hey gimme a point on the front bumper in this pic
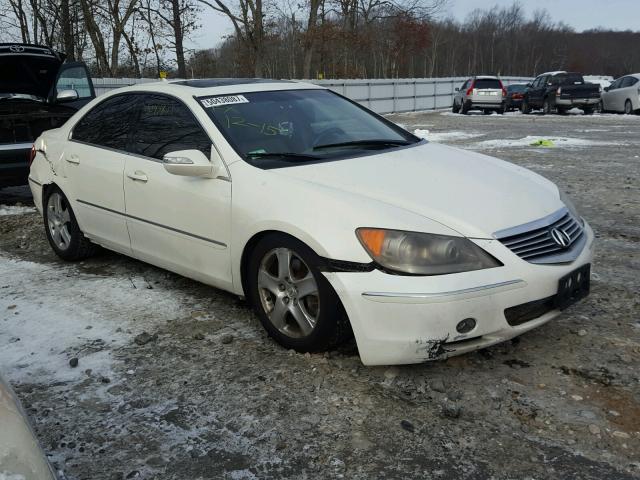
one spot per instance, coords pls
(14, 164)
(412, 319)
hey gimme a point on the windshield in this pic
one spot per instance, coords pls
(285, 127)
(516, 88)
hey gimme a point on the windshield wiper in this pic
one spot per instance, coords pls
(286, 156)
(364, 143)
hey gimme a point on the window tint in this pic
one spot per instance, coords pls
(75, 78)
(166, 125)
(568, 79)
(628, 82)
(516, 88)
(108, 124)
(492, 83)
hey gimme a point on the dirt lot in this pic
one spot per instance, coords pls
(205, 394)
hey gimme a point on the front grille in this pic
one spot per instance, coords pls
(535, 243)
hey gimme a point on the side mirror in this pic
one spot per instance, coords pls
(529, 84)
(606, 89)
(193, 163)
(457, 89)
(66, 96)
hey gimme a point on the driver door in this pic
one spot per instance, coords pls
(75, 76)
(180, 223)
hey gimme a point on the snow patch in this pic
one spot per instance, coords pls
(15, 210)
(444, 137)
(71, 314)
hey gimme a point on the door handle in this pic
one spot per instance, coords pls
(73, 159)
(138, 176)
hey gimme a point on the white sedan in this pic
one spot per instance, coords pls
(623, 95)
(328, 218)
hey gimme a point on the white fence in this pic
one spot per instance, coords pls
(381, 96)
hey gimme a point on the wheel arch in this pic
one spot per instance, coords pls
(251, 243)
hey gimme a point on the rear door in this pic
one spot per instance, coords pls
(179, 223)
(537, 90)
(94, 161)
(627, 90)
(74, 76)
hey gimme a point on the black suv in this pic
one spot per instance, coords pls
(561, 91)
(38, 91)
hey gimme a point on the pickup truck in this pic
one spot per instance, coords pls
(560, 91)
(38, 91)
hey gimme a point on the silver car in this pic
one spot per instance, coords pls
(623, 95)
(484, 93)
(20, 454)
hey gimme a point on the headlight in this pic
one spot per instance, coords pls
(570, 206)
(423, 253)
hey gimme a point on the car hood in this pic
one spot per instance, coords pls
(475, 195)
(28, 70)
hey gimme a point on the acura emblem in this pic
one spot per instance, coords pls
(561, 237)
(16, 48)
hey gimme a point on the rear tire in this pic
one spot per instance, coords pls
(546, 107)
(465, 109)
(61, 227)
(628, 107)
(562, 111)
(588, 110)
(295, 303)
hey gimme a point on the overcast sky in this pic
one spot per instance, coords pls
(580, 14)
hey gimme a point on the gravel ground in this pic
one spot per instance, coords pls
(176, 380)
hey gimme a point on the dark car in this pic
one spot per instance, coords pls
(38, 91)
(514, 97)
(561, 91)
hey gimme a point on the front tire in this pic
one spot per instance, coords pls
(546, 107)
(455, 108)
(294, 302)
(62, 229)
(628, 108)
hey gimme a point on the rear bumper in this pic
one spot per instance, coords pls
(399, 319)
(14, 164)
(484, 103)
(577, 102)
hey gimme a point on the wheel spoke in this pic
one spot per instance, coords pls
(267, 281)
(307, 286)
(58, 204)
(64, 234)
(55, 234)
(284, 263)
(304, 321)
(278, 314)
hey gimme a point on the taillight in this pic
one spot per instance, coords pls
(32, 154)
(559, 91)
(504, 90)
(470, 89)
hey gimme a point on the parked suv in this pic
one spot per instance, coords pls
(484, 93)
(561, 91)
(38, 91)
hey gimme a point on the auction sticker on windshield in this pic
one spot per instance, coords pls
(227, 100)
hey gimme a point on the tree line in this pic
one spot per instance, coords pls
(314, 39)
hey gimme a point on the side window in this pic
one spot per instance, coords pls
(108, 124)
(634, 81)
(626, 82)
(537, 82)
(166, 125)
(75, 78)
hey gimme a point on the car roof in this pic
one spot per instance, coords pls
(486, 77)
(215, 86)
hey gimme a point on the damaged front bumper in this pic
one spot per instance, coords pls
(412, 319)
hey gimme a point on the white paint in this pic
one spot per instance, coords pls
(444, 137)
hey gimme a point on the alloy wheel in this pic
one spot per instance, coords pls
(288, 293)
(58, 220)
